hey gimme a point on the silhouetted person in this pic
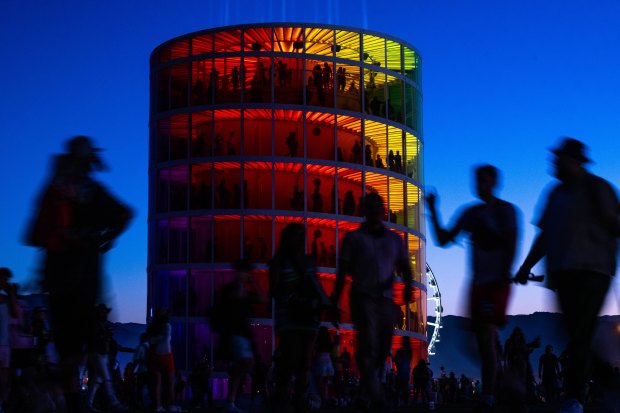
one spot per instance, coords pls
(370, 255)
(421, 381)
(549, 373)
(402, 359)
(391, 161)
(517, 367)
(317, 75)
(398, 162)
(578, 234)
(297, 199)
(348, 205)
(341, 77)
(161, 361)
(379, 162)
(492, 229)
(76, 222)
(298, 299)
(230, 149)
(317, 198)
(315, 244)
(353, 88)
(291, 142)
(213, 84)
(327, 75)
(235, 306)
(356, 152)
(368, 156)
(218, 144)
(235, 78)
(375, 106)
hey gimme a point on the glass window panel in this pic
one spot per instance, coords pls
(175, 51)
(350, 191)
(376, 137)
(288, 39)
(395, 102)
(257, 39)
(394, 61)
(374, 50)
(410, 107)
(289, 135)
(201, 239)
(229, 41)
(350, 145)
(320, 136)
(177, 240)
(288, 81)
(414, 218)
(179, 133)
(226, 141)
(319, 83)
(172, 189)
(226, 241)
(163, 245)
(396, 204)
(179, 85)
(201, 196)
(202, 44)
(374, 93)
(411, 64)
(227, 178)
(320, 41)
(348, 96)
(179, 338)
(289, 186)
(257, 127)
(257, 79)
(320, 189)
(348, 45)
(201, 92)
(257, 240)
(412, 150)
(322, 243)
(170, 291)
(258, 178)
(228, 90)
(202, 132)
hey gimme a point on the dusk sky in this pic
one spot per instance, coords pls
(502, 81)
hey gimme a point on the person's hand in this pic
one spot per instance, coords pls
(522, 275)
(431, 200)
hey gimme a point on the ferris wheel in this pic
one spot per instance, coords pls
(433, 307)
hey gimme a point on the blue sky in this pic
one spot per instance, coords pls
(501, 82)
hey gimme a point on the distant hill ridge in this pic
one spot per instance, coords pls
(456, 349)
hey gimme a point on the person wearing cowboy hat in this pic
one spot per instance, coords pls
(578, 232)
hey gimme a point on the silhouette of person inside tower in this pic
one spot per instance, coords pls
(317, 198)
(368, 156)
(235, 78)
(327, 75)
(223, 195)
(317, 75)
(391, 161)
(379, 162)
(398, 162)
(291, 142)
(356, 152)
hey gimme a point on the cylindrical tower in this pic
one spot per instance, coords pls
(256, 126)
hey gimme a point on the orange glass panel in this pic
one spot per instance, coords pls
(257, 39)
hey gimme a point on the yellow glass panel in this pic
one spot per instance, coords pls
(348, 45)
(410, 63)
(377, 183)
(320, 41)
(288, 39)
(393, 56)
(374, 50)
(376, 138)
(412, 149)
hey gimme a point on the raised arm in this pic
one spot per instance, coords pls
(443, 236)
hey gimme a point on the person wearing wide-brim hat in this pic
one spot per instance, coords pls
(578, 231)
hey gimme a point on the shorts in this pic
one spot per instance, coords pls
(161, 363)
(5, 357)
(240, 348)
(488, 302)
